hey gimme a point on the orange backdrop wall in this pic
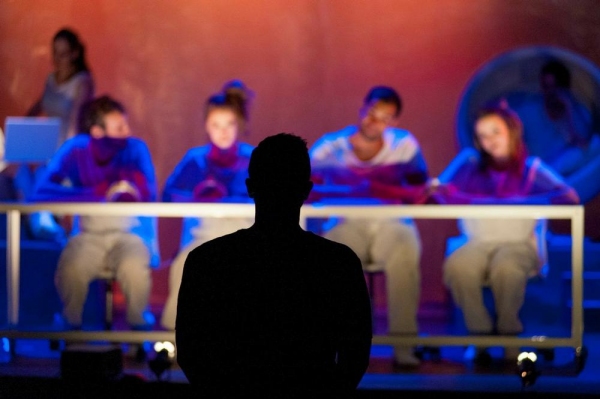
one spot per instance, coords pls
(310, 62)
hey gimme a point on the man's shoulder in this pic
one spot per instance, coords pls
(244, 237)
(326, 246)
(344, 132)
(320, 240)
(401, 143)
(338, 136)
(332, 143)
(396, 136)
(225, 242)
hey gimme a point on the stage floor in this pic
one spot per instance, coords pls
(35, 371)
(36, 366)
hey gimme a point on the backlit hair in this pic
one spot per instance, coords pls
(93, 112)
(234, 96)
(75, 45)
(384, 94)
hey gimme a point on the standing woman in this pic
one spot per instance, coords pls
(215, 172)
(68, 86)
(501, 253)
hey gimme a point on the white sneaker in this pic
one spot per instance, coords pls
(404, 356)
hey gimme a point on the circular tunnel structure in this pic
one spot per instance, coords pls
(516, 73)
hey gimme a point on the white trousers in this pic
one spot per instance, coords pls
(397, 248)
(209, 229)
(505, 267)
(90, 256)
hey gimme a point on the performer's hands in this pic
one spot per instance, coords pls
(209, 190)
(100, 190)
(123, 191)
(138, 180)
(439, 193)
(431, 193)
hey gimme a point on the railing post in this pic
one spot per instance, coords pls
(577, 275)
(13, 234)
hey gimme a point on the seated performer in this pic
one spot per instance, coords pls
(501, 253)
(102, 164)
(215, 172)
(273, 311)
(375, 162)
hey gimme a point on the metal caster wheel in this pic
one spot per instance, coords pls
(581, 354)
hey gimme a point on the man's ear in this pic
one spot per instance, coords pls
(97, 132)
(250, 188)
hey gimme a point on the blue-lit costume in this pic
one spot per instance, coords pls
(104, 246)
(205, 174)
(501, 253)
(393, 245)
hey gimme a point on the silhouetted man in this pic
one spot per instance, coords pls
(274, 310)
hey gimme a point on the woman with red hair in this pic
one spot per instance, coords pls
(501, 253)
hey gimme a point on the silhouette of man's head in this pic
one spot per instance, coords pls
(279, 171)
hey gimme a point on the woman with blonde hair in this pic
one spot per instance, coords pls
(215, 172)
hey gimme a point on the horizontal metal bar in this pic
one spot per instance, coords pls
(159, 336)
(85, 336)
(445, 211)
(356, 211)
(482, 341)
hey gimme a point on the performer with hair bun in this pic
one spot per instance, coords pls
(215, 172)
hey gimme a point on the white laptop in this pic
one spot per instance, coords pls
(30, 139)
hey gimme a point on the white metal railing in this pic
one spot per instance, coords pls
(573, 213)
